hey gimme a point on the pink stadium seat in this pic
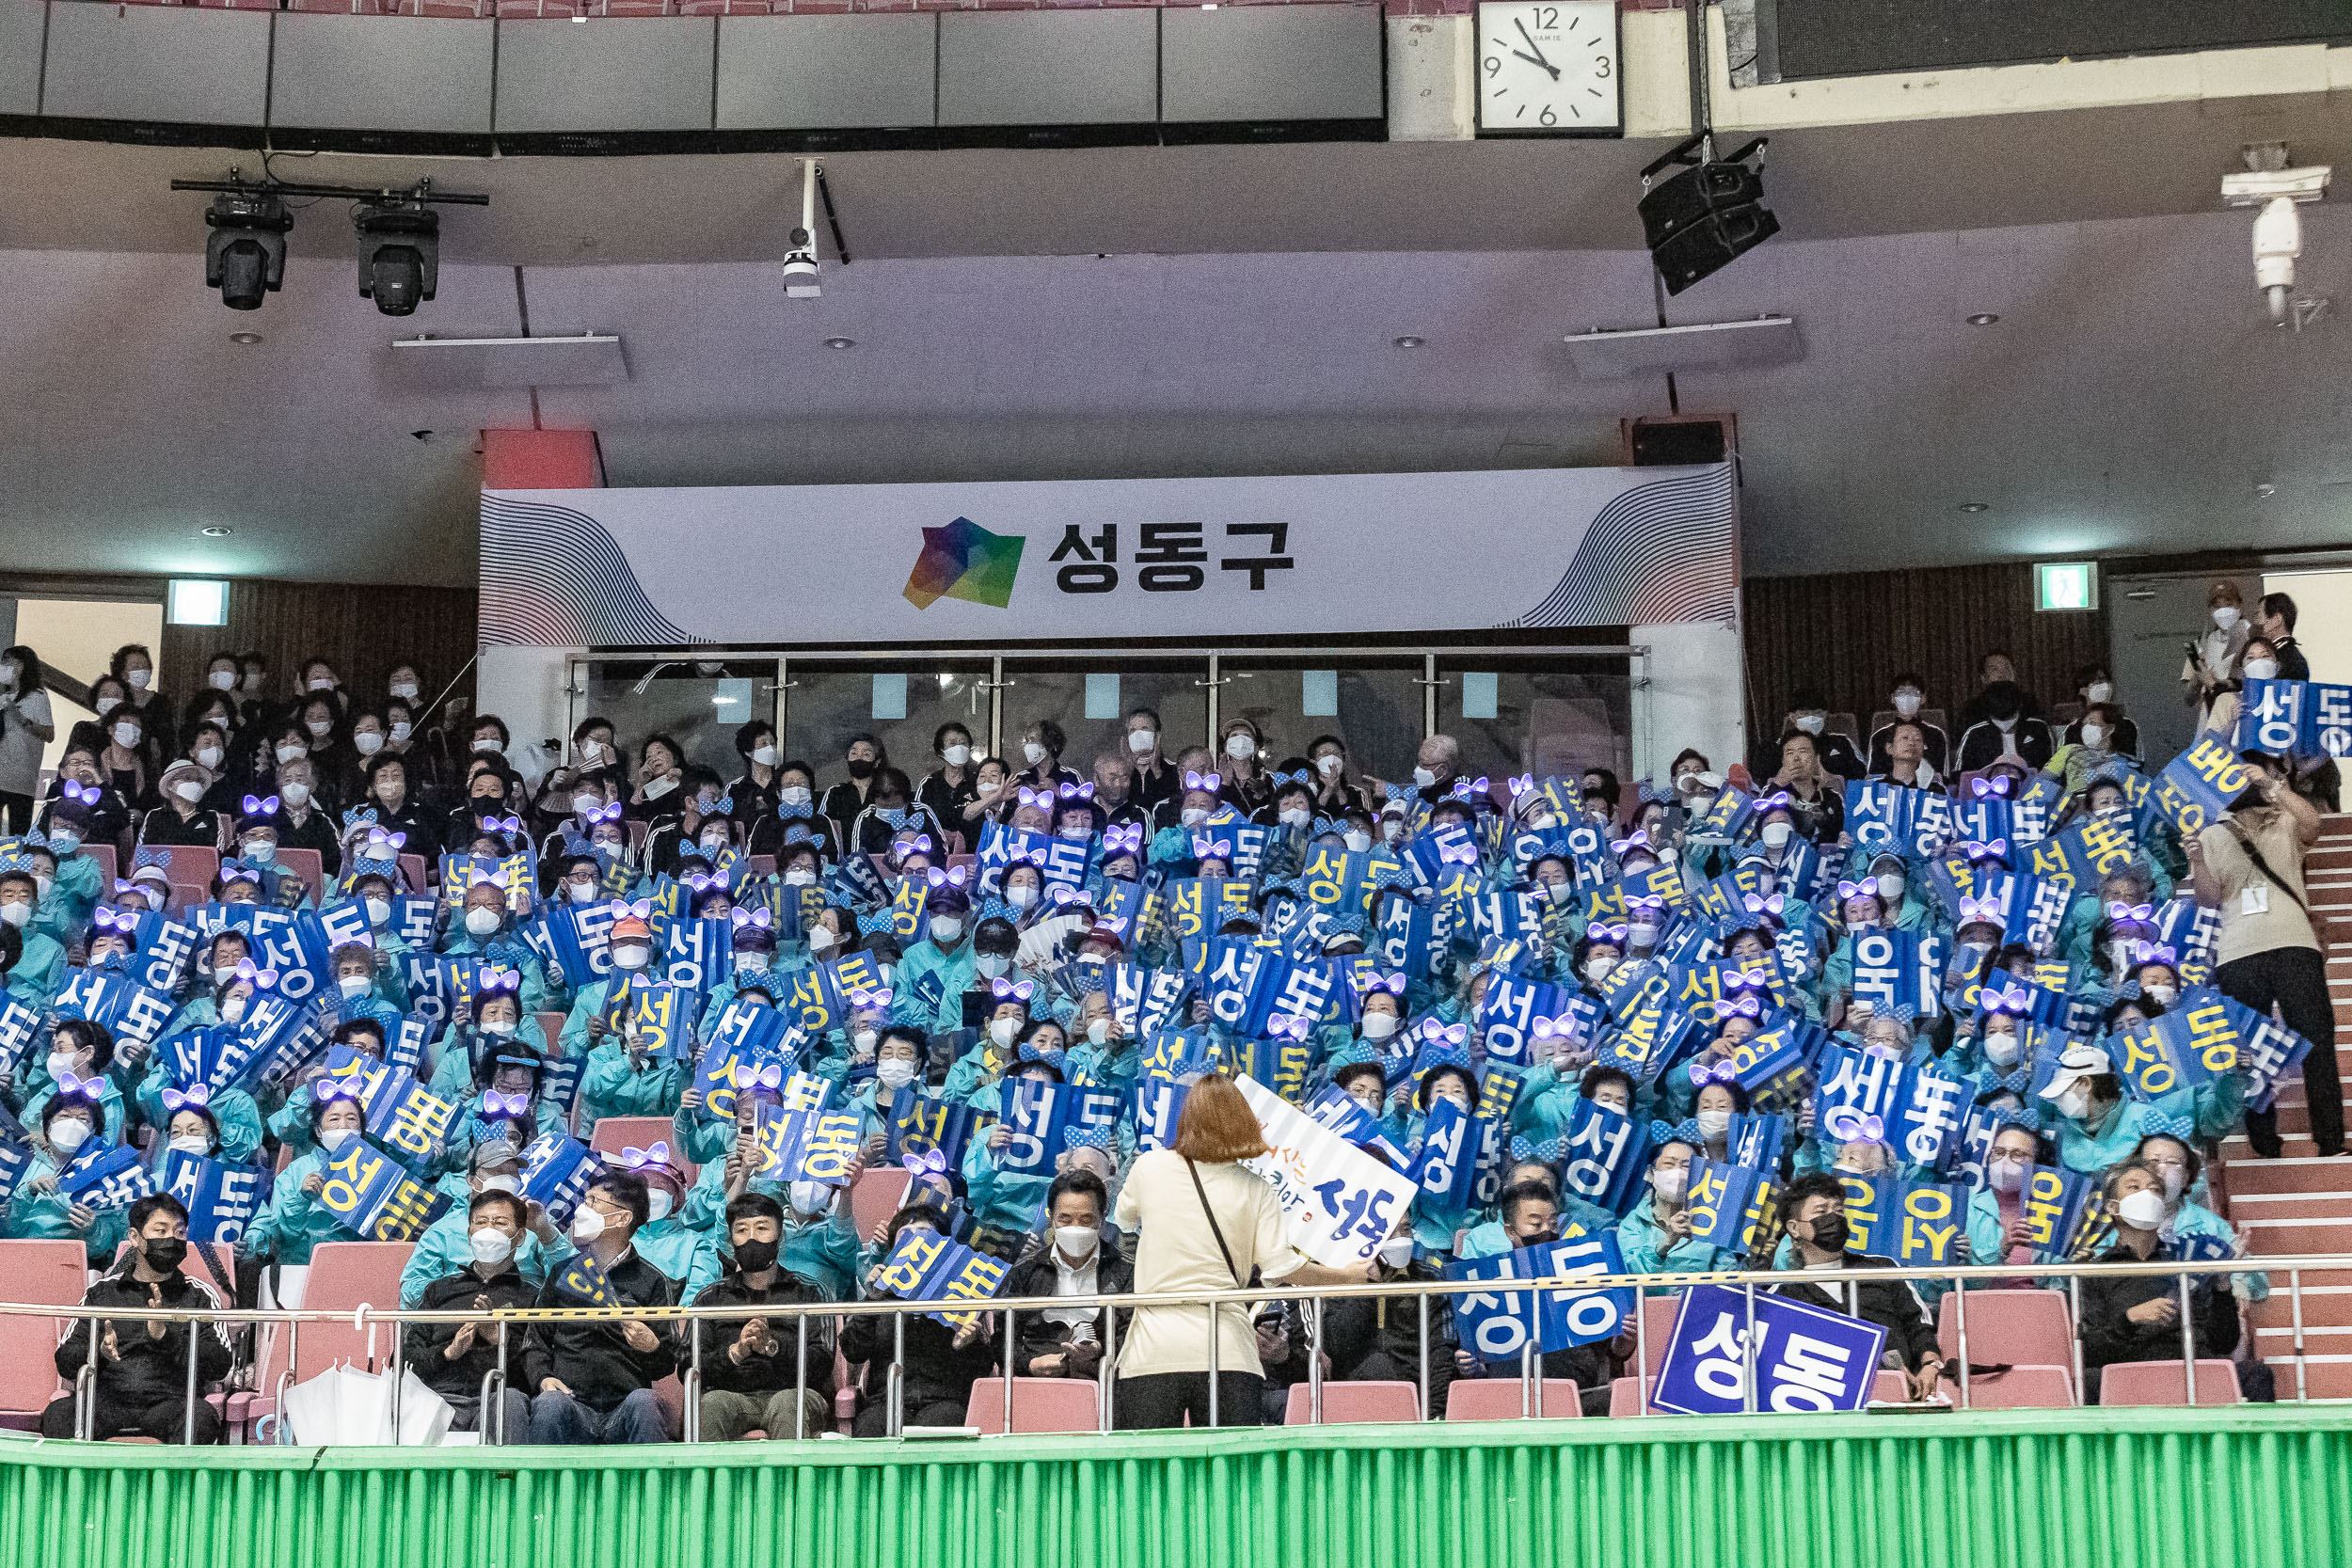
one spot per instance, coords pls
(877, 1196)
(39, 1273)
(1657, 1326)
(104, 855)
(1625, 1397)
(614, 1134)
(1039, 1405)
(343, 1276)
(2024, 1388)
(2008, 1328)
(761, 865)
(1505, 1399)
(185, 896)
(304, 865)
(552, 1025)
(2165, 1383)
(1890, 1387)
(415, 872)
(191, 866)
(1346, 1403)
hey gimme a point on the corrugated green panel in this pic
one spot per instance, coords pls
(2265, 1487)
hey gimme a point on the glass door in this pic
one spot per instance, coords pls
(1091, 698)
(698, 703)
(1372, 702)
(1557, 711)
(901, 703)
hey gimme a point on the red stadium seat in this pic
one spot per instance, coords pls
(415, 870)
(614, 1134)
(1625, 1397)
(1890, 1387)
(1346, 1403)
(186, 864)
(2024, 1388)
(104, 855)
(761, 865)
(2165, 1383)
(1657, 1326)
(305, 863)
(1039, 1405)
(552, 1025)
(39, 1273)
(877, 1194)
(1507, 1399)
(343, 1276)
(2009, 1327)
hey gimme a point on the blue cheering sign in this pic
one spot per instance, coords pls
(928, 1267)
(1498, 1324)
(1808, 1360)
(1043, 1117)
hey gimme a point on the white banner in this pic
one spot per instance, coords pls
(1341, 1203)
(910, 564)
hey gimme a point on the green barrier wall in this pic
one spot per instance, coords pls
(2088, 1489)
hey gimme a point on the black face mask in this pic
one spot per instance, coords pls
(861, 767)
(1829, 1232)
(2003, 700)
(753, 1256)
(165, 1253)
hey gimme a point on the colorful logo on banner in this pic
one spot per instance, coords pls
(963, 561)
(1808, 1360)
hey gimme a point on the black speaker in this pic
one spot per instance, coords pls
(1697, 222)
(1694, 194)
(1672, 442)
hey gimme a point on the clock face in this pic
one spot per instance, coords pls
(1548, 67)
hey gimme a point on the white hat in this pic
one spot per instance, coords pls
(2080, 1062)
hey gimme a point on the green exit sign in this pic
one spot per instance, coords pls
(2066, 585)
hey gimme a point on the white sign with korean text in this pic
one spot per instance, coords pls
(1341, 1203)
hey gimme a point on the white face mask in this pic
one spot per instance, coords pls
(1035, 753)
(765, 756)
(713, 844)
(190, 790)
(1396, 1252)
(366, 743)
(2142, 1210)
(2100, 692)
(2001, 1050)
(820, 939)
(1356, 840)
(864, 1041)
(1669, 1181)
(1890, 885)
(335, 1140)
(502, 1184)
(586, 802)
(1295, 817)
(1906, 702)
(138, 680)
(1002, 1030)
(60, 1063)
(794, 795)
(69, 1134)
(991, 965)
(322, 683)
(2162, 995)
(2094, 736)
(1021, 897)
(379, 912)
(405, 691)
(1599, 967)
(2262, 669)
(1076, 1241)
(295, 794)
(354, 986)
(1141, 741)
(262, 851)
(800, 876)
(18, 915)
(2074, 1102)
(481, 923)
(2005, 1175)
(491, 1246)
(62, 843)
(655, 789)
(751, 963)
(401, 730)
(318, 727)
(1240, 747)
(956, 756)
(489, 747)
(290, 750)
(223, 680)
(105, 706)
(945, 928)
(1329, 766)
(587, 1224)
(127, 735)
(631, 955)
(657, 1204)
(1192, 816)
(2225, 616)
(1379, 1026)
(2175, 1183)
(207, 756)
(1423, 778)
(896, 1073)
(1775, 834)
(193, 1143)
(1810, 722)
(1714, 1124)
(811, 1197)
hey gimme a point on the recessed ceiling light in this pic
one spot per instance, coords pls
(1408, 341)
(2264, 492)
(841, 342)
(216, 531)
(1983, 318)
(246, 337)
(1974, 507)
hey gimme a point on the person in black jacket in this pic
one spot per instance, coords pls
(1530, 1211)
(453, 1358)
(143, 1366)
(1073, 1258)
(593, 1382)
(1813, 1211)
(941, 1364)
(2137, 1317)
(750, 1367)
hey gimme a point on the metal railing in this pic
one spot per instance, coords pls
(1212, 1304)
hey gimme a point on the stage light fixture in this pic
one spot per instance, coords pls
(399, 254)
(245, 255)
(1706, 216)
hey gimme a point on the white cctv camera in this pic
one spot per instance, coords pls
(2278, 229)
(800, 267)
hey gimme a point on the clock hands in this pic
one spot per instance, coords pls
(1538, 57)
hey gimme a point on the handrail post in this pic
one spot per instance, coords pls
(799, 1376)
(1960, 1316)
(1747, 1353)
(1423, 1305)
(187, 1417)
(500, 1372)
(1313, 1312)
(1213, 1327)
(399, 1366)
(897, 1382)
(2295, 1304)
(285, 1378)
(1007, 1359)
(1106, 1371)
(1527, 1377)
(85, 1387)
(2188, 1343)
(2074, 1311)
(1641, 1347)
(690, 1419)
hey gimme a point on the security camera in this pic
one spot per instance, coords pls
(800, 267)
(2275, 193)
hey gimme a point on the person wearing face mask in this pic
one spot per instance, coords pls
(181, 818)
(1071, 1258)
(2223, 698)
(2215, 658)
(1906, 704)
(899, 1052)
(135, 667)
(687, 1253)
(2137, 1317)
(994, 1195)
(937, 1365)
(453, 1358)
(819, 1243)
(294, 1221)
(752, 1366)
(1808, 715)
(37, 1209)
(2273, 621)
(27, 726)
(1813, 1216)
(2096, 688)
(142, 1366)
(1240, 764)
(754, 791)
(484, 929)
(944, 959)
(862, 758)
(624, 1077)
(593, 1382)
(1042, 744)
(946, 789)
(162, 1098)
(1155, 778)
(1444, 1073)
(796, 828)
(2180, 1173)
(302, 822)
(2095, 1125)
(80, 1050)
(1655, 1235)
(492, 1166)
